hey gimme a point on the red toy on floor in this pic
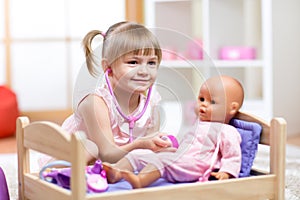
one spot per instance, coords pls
(8, 112)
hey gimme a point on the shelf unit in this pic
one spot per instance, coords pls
(217, 23)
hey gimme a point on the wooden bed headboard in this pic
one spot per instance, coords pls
(49, 138)
(265, 135)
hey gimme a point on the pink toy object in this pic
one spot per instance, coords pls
(95, 176)
(169, 53)
(237, 53)
(194, 50)
(172, 139)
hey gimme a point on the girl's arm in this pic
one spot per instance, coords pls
(158, 137)
(95, 114)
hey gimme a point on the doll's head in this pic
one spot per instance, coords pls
(219, 99)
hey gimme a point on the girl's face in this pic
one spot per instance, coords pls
(212, 104)
(135, 72)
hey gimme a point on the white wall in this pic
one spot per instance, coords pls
(286, 61)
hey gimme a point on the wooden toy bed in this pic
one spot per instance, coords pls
(49, 138)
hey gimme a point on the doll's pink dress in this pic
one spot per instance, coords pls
(119, 125)
(194, 157)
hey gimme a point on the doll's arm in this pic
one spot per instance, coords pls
(221, 175)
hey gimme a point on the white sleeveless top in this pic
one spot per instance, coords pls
(119, 125)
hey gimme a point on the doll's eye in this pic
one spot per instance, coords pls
(213, 102)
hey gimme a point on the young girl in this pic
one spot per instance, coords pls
(210, 151)
(121, 115)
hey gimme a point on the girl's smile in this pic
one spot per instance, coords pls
(135, 72)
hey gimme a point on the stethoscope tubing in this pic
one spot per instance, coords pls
(131, 119)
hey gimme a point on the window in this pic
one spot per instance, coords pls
(44, 50)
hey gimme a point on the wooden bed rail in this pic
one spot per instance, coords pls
(278, 154)
(50, 138)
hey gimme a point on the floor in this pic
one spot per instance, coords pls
(9, 145)
(295, 140)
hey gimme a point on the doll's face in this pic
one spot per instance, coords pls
(211, 104)
(217, 100)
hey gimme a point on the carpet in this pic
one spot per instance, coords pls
(8, 162)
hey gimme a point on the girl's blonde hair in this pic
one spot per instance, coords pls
(120, 39)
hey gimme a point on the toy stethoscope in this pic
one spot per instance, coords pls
(95, 175)
(131, 119)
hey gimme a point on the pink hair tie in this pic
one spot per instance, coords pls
(103, 34)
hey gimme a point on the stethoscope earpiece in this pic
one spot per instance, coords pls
(108, 70)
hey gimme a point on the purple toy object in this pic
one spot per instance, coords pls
(95, 176)
(3, 186)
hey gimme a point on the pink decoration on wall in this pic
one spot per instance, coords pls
(237, 53)
(169, 53)
(194, 50)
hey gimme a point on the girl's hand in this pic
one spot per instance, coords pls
(156, 143)
(162, 140)
(169, 147)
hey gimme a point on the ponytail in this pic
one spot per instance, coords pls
(88, 51)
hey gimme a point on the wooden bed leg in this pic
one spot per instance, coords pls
(23, 155)
(78, 180)
(278, 155)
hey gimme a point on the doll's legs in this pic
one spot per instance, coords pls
(113, 172)
(146, 176)
(137, 160)
(123, 169)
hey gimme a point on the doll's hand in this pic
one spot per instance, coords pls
(220, 175)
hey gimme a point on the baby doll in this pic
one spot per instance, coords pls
(210, 151)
